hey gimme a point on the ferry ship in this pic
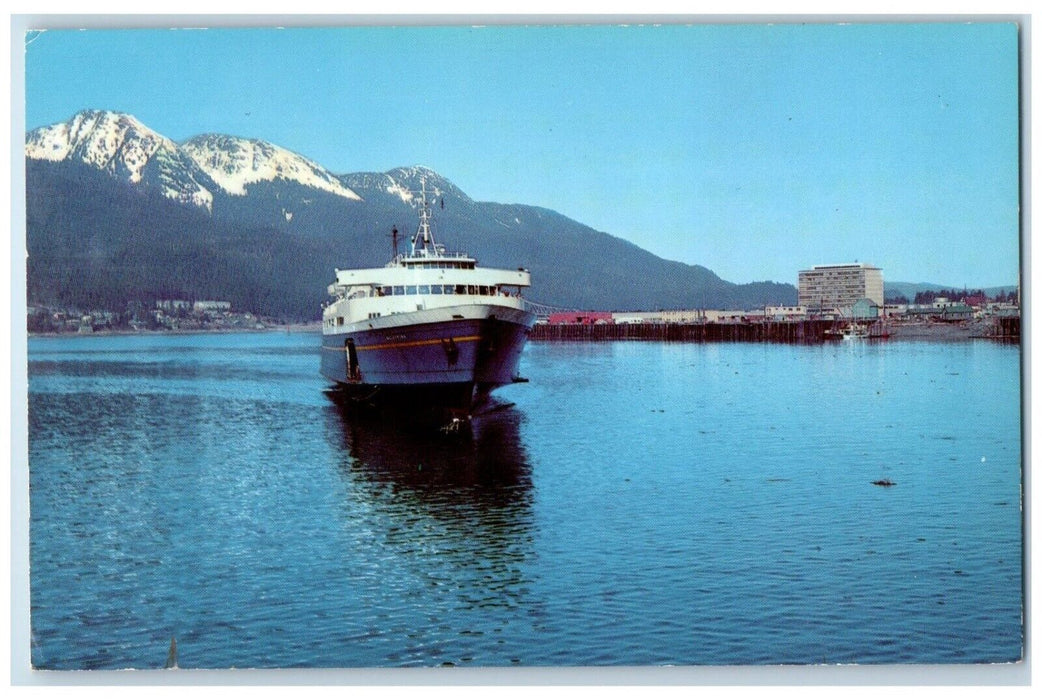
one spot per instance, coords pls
(429, 329)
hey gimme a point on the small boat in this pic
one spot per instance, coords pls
(429, 329)
(851, 331)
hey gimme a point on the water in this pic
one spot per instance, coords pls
(641, 503)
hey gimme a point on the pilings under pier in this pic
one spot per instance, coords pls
(768, 331)
(1009, 327)
(806, 331)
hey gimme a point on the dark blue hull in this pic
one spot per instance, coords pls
(451, 364)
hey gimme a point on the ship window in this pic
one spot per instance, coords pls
(484, 290)
(339, 320)
(425, 289)
(385, 291)
(461, 289)
(449, 289)
(472, 289)
(399, 289)
(411, 289)
(435, 289)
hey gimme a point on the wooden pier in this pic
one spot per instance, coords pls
(1009, 327)
(766, 331)
(807, 331)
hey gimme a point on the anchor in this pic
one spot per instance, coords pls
(451, 351)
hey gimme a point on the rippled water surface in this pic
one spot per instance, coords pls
(640, 503)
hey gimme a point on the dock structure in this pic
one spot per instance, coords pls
(1009, 327)
(808, 331)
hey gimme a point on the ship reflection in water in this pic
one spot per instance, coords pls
(480, 458)
(448, 519)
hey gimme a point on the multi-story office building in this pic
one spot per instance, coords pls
(840, 286)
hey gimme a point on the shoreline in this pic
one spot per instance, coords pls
(313, 326)
(910, 331)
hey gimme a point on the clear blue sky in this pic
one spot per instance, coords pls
(752, 149)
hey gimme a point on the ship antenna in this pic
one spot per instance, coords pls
(424, 239)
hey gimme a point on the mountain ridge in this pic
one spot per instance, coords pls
(224, 159)
(910, 289)
(268, 226)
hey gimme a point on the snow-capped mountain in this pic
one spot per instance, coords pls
(234, 163)
(192, 172)
(123, 147)
(401, 187)
(404, 183)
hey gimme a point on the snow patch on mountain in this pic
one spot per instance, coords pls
(176, 182)
(405, 182)
(49, 143)
(399, 190)
(235, 163)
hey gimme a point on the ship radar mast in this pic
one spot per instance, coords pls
(423, 242)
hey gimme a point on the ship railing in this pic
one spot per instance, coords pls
(543, 309)
(424, 254)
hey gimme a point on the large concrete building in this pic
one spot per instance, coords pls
(212, 306)
(840, 286)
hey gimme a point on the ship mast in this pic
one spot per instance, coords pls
(423, 242)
